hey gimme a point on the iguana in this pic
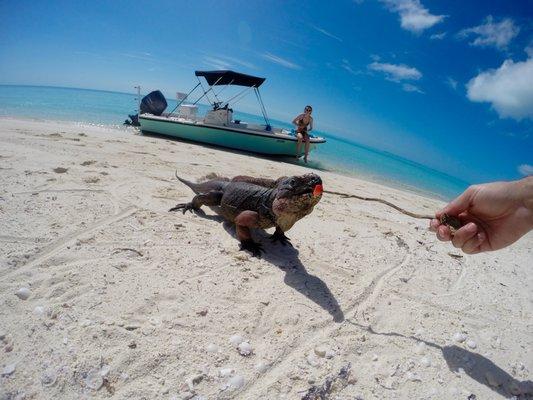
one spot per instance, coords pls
(250, 202)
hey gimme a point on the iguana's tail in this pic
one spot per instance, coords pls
(203, 187)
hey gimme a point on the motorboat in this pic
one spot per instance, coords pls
(217, 126)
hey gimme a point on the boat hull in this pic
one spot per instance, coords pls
(262, 143)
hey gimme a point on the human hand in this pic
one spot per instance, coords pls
(493, 216)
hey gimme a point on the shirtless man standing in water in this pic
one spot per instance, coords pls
(304, 125)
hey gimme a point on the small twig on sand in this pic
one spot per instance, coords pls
(411, 214)
(127, 249)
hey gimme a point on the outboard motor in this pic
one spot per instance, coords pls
(153, 103)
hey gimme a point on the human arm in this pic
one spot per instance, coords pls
(493, 216)
(295, 120)
(310, 125)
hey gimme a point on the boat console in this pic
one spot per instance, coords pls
(221, 116)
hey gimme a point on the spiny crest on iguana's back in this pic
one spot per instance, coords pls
(212, 176)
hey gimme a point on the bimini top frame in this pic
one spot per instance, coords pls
(227, 78)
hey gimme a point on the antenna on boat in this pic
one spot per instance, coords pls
(138, 87)
(183, 99)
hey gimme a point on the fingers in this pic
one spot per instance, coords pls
(470, 238)
(444, 234)
(474, 244)
(464, 234)
(459, 204)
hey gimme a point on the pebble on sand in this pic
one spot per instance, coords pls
(491, 379)
(321, 351)
(23, 293)
(425, 362)
(459, 337)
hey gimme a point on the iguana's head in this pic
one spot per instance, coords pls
(297, 195)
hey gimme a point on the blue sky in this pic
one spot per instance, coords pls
(447, 84)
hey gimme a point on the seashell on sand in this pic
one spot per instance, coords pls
(23, 293)
(459, 337)
(104, 370)
(212, 348)
(312, 360)
(420, 347)
(9, 369)
(94, 379)
(261, 367)
(39, 310)
(236, 340)
(245, 349)
(225, 372)
(236, 382)
(48, 378)
(471, 344)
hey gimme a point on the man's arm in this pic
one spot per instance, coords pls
(310, 125)
(294, 121)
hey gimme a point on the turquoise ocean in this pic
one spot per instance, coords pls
(340, 155)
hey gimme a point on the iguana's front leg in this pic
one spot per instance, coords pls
(211, 198)
(243, 222)
(279, 236)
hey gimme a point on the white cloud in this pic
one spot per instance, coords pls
(325, 32)
(413, 16)
(438, 36)
(348, 67)
(509, 89)
(411, 88)
(451, 82)
(490, 33)
(396, 72)
(226, 62)
(280, 61)
(216, 62)
(525, 169)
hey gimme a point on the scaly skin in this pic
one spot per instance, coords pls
(250, 202)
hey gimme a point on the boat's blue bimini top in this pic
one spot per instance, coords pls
(227, 77)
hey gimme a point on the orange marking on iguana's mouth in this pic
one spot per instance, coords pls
(317, 191)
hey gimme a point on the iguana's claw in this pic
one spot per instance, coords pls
(183, 207)
(279, 236)
(252, 247)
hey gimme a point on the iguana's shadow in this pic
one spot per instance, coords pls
(476, 366)
(286, 258)
(296, 276)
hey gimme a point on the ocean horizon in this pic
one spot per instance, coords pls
(340, 154)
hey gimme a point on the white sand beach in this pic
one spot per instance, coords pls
(126, 300)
